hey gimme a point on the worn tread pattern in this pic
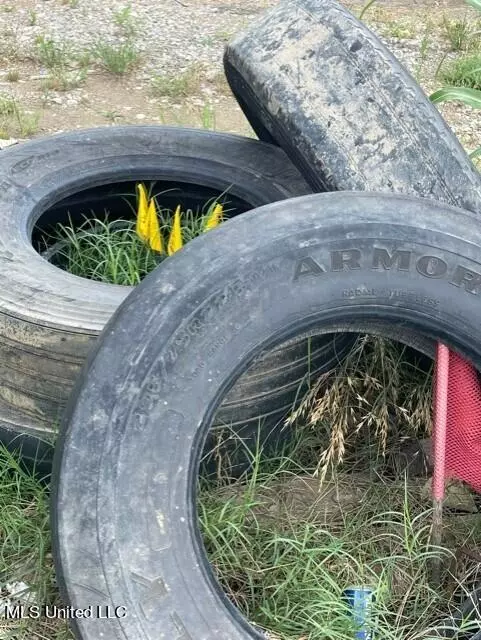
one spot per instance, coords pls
(347, 113)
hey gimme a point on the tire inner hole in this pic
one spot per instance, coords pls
(116, 203)
(283, 546)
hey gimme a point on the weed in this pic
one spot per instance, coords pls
(111, 251)
(470, 97)
(8, 106)
(51, 54)
(10, 47)
(381, 392)
(377, 14)
(116, 58)
(71, 3)
(463, 72)
(458, 33)
(208, 117)
(32, 17)
(126, 22)
(366, 8)
(14, 121)
(424, 48)
(176, 85)
(65, 81)
(400, 30)
(283, 550)
(219, 82)
(84, 59)
(207, 41)
(112, 116)
(223, 36)
(121, 57)
(468, 72)
(25, 553)
(13, 75)
(27, 123)
(104, 250)
(60, 61)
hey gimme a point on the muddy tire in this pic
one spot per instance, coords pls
(325, 262)
(311, 77)
(49, 319)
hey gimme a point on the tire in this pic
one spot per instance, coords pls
(49, 319)
(313, 78)
(322, 263)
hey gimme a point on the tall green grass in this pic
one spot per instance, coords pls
(284, 554)
(110, 250)
(26, 566)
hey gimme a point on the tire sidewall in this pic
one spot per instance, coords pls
(142, 409)
(38, 174)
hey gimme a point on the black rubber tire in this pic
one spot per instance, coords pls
(124, 489)
(48, 318)
(312, 77)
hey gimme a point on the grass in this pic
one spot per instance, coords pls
(124, 19)
(463, 72)
(51, 54)
(208, 118)
(458, 33)
(286, 572)
(387, 395)
(463, 80)
(14, 120)
(463, 34)
(32, 17)
(66, 70)
(112, 116)
(121, 57)
(25, 553)
(401, 30)
(8, 106)
(118, 59)
(65, 81)
(176, 85)
(187, 83)
(104, 251)
(424, 48)
(13, 75)
(284, 552)
(111, 251)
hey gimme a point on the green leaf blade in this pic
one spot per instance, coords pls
(476, 4)
(471, 97)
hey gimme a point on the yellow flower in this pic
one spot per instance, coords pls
(142, 226)
(175, 240)
(154, 236)
(215, 217)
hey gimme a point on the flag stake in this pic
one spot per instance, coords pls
(439, 440)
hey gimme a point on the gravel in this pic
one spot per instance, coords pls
(173, 36)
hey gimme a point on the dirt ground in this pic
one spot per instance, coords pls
(176, 38)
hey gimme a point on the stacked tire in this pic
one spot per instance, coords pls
(49, 319)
